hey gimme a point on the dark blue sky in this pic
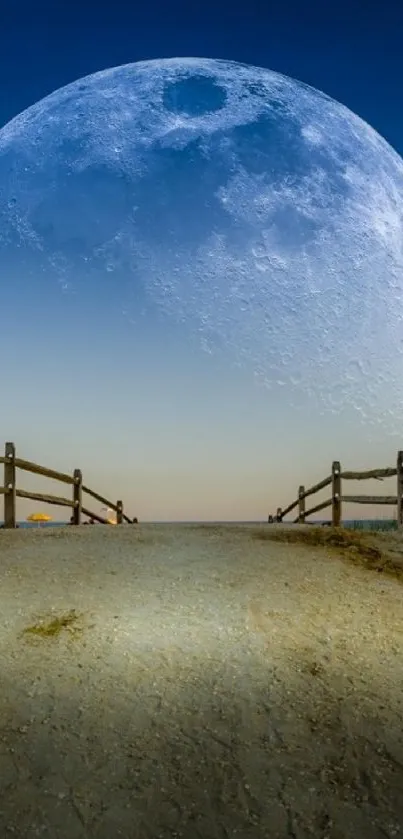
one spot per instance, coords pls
(351, 50)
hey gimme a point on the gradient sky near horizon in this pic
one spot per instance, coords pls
(178, 433)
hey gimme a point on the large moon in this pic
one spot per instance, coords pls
(247, 205)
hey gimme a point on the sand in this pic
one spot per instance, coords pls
(205, 684)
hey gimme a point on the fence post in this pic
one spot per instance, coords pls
(399, 489)
(119, 512)
(9, 486)
(77, 496)
(336, 494)
(301, 505)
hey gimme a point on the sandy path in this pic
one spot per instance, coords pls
(216, 686)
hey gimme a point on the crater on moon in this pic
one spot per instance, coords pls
(194, 97)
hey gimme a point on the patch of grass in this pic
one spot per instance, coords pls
(376, 525)
(50, 628)
(366, 548)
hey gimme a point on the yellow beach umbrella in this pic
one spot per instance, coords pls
(39, 518)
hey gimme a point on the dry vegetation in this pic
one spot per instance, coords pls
(50, 627)
(382, 552)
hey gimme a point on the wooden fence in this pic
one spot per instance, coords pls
(11, 492)
(336, 499)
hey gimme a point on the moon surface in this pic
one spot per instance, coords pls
(244, 204)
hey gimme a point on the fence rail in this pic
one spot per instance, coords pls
(337, 498)
(11, 492)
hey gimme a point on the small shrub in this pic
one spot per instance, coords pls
(52, 627)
